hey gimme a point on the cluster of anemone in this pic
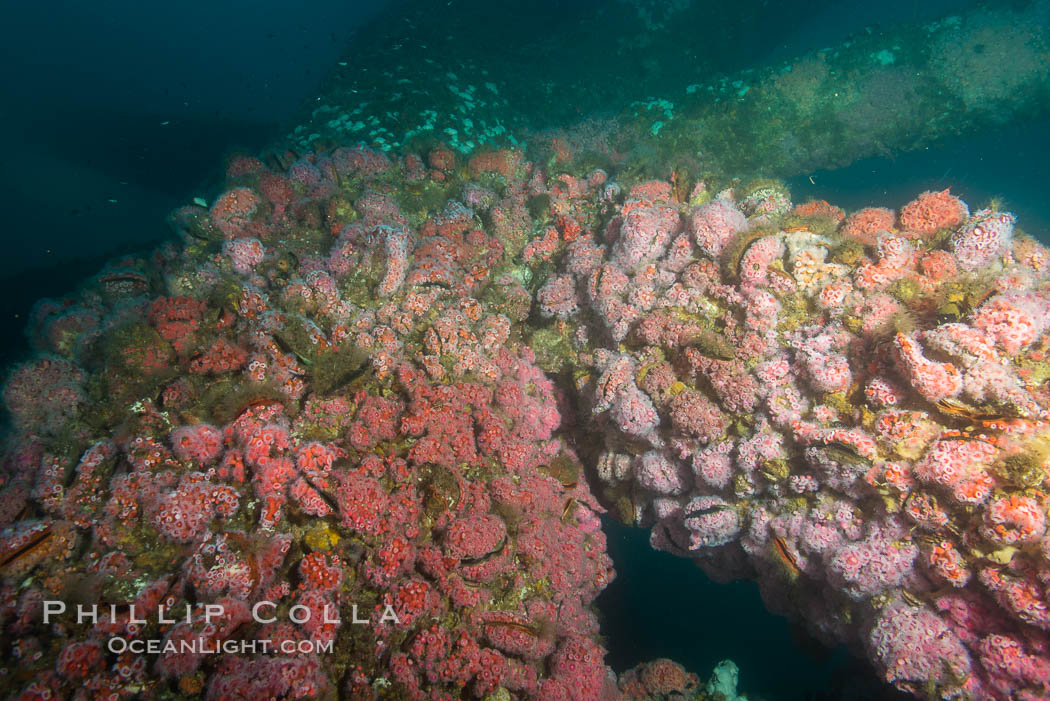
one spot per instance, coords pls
(405, 390)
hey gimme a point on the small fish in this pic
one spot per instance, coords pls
(570, 506)
(31, 544)
(333, 504)
(782, 274)
(470, 562)
(714, 509)
(785, 555)
(954, 408)
(991, 421)
(910, 598)
(261, 402)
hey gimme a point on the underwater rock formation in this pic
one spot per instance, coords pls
(854, 412)
(401, 390)
(313, 422)
(882, 91)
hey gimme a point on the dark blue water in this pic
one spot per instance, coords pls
(113, 113)
(1007, 165)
